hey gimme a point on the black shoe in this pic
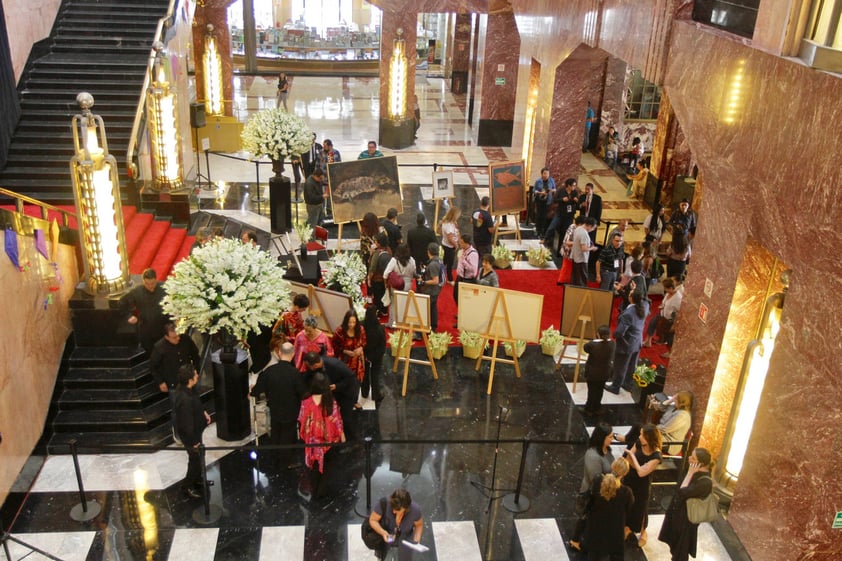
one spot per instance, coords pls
(612, 389)
(192, 493)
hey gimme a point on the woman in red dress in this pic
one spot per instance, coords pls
(349, 342)
(320, 423)
(311, 338)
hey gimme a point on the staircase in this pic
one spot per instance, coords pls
(98, 46)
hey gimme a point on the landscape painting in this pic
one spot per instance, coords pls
(361, 186)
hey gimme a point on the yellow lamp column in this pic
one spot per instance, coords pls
(162, 116)
(212, 64)
(96, 189)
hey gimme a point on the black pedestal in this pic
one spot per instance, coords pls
(280, 204)
(231, 397)
(309, 275)
(98, 321)
(397, 134)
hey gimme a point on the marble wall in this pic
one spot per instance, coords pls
(27, 22)
(31, 349)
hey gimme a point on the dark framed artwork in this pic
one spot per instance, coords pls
(361, 186)
(443, 185)
(506, 187)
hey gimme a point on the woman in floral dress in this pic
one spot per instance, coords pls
(311, 338)
(320, 423)
(349, 342)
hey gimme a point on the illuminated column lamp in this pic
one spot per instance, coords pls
(212, 64)
(732, 105)
(162, 117)
(398, 79)
(750, 387)
(96, 189)
(529, 129)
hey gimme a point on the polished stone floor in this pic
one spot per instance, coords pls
(266, 513)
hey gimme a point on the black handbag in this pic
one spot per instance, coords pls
(372, 539)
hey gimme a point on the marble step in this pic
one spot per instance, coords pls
(112, 420)
(107, 356)
(118, 379)
(160, 435)
(94, 398)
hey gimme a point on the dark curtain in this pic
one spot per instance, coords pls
(8, 92)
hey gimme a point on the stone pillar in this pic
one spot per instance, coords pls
(496, 79)
(612, 111)
(398, 135)
(218, 17)
(671, 154)
(461, 61)
(249, 36)
(578, 79)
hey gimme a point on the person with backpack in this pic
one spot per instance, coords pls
(677, 531)
(431, 281)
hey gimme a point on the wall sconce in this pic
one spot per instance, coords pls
(96, 189)
(212, 65)
(398, 79)
(734, 100)
(162, 117)
(750, 386)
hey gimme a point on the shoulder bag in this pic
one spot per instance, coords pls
(703, 510)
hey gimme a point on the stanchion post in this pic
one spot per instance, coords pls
(207, 166)
(207, 513)
(4, 538)
(515, 502)
(368, 444)
(83, 511)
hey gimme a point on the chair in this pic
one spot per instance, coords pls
(321, 236)
(676, 463)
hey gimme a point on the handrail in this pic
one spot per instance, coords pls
(140, 112)
(20, 200)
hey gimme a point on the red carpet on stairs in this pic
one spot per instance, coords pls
(146, 250)
(135, 230)
(167, 251)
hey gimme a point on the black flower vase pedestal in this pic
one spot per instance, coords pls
(230, 381)
(303, 251)
(280, 200)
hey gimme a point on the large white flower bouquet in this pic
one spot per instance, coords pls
(229, 285)
(276, 134)
(346, 271)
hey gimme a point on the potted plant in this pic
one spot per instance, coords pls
(502, 256)
(519, 348)
(439, 343)
(551, 341)
(538, 256)
(226, 287)
(472, 344)
(276, 134)
(399, 345)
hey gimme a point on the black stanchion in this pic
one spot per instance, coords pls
(515, 502)
(207, 513)
(367, 441)
(207, 168)
(5, 539)
(83, 511)
(259, 199)
(492, 492)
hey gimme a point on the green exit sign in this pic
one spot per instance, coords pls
(837, 522)
(499, 81)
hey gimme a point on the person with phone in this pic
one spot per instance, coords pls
(400, 521)
(677, 531)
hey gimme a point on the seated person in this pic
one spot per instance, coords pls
(674, 425)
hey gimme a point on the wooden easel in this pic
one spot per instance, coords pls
(412, 322)
(509, 230)
(582, 319)
(499, 329)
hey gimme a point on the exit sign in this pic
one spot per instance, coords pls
(499, 81)
(837, 522)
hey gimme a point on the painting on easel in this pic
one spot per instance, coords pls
(590, 302)
(442, 185)
(505, 182)
(360, 186)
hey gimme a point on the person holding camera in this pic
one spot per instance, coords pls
(400, 521)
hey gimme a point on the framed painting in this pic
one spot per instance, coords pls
(443, 185)
(506, 187)
(361, 186)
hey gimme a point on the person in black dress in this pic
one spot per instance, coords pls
(191, 420)
(611, 505)
(598, 368)
(677, 531)
(643, 457)
(375, 348)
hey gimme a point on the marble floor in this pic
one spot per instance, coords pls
(438, 441)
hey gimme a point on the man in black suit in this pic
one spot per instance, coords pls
(312, 158)
(419, 239)
(284, 388)
(598, 368)
(590, 205)
(343, 384)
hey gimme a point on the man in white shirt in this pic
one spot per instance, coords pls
(582, 247)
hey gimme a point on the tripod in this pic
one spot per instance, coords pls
(199, 177)
(492, 491)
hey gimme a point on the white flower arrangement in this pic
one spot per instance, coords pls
(226, 284)
(304, 231)
(346, 270)
(276, 134)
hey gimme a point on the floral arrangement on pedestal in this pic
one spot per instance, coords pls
(538, 256)
(276, 134)
(304, 232)
(551, 341)
(439, 343)
(345, 272)
(226, 285)
(503, 256)
(644, 374)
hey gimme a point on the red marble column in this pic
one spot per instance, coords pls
(461, 61)
(671, 154)
(216, 14)
(496, 80)
(612, 111)
(578, 80)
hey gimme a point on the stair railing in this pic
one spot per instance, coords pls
(140, 114)
(21, 200)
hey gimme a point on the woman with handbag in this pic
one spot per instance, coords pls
(677, 531)
(400, 521)
(319, 422)
(598, 460)
(611, 505)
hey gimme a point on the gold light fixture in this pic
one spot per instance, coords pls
(734, 99)
(162, 115)
(750, 386)
(96, 189)
(212, 65)
(397, 79)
